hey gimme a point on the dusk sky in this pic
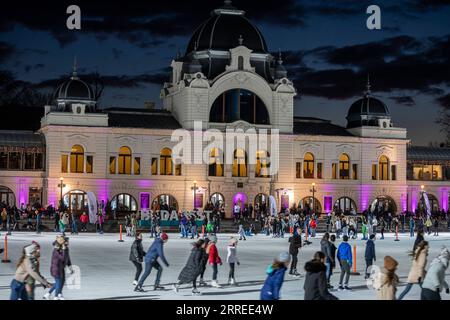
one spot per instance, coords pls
(326, 46)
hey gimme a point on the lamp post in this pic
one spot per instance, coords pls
(61, 185)
(195, 191)
(313, 190)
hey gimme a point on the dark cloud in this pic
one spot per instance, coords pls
(444, 101)
(117, 53)
(30, 67)
(6, 51)
(404, 100)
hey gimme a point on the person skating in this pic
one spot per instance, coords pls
(295, 243)
(232, 260)
(436, 226)
(369, 254)
(213, 259)
(417, 272)
(315, 285)
(275, 277)
(333, 250)
(428, 224)
(364, 229)
(325, 247)
(151, 261)
(193, 268)
(386, 281)
(241, 232)
(418, 240)
(57, 268)
(344, 256)
(411, 226)
(27, 269)
(84, 219)
(204, 262)
(137, 255)
(382, 224)
(434, 282)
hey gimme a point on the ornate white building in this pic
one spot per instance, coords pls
(226, 79)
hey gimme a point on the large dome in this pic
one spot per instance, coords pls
(223, 30)
(74, 89)
(366, 111)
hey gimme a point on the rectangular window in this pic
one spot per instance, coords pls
(112, 165)
(154, 166)
(178, 169)
(89, 164)
(394, 172)
(64, 163)
(334, 171)
(319, 170)
(38, 161)
(137, 165)
(298, 170)
(3, 160)
(124, 164)
(355, 171)
(374, 172)
(15, 160)
(29, 161)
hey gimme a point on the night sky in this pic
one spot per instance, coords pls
(327, 50)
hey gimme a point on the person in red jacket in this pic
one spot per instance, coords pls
(84, 221)
(213, 259)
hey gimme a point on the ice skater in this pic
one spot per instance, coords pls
(192, 269)
(232, 260)
(241, 231)
(295, 243)
(214, 260)
(417, 272)
(369, 254)
(137, 255)
(434, 282)
(344, 256)
(315, 285)
(275, 277)
(154, 252)
(386, 281)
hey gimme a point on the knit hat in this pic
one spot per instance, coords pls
(390, 263)
(164, 236)
(444, 256)
(29, 250)
(213, 239)
(284, 257)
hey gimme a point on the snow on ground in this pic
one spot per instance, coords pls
(106, 272)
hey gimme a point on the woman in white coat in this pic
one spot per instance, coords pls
(232, 260)
(434, 281)
(417, 272)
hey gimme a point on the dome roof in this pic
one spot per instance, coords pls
(74, 89)
(223, 29)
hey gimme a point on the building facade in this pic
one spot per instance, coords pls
(227, 79)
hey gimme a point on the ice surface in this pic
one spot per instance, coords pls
(106, 272)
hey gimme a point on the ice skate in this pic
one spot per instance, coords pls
(233, 282)
(175, 287)
(134, 283)
(202, 283)
(47, 296)
(215, 284)
(196, 292)
(59, 297)
(158, 287)
(139, 289)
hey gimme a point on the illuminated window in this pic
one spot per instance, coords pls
(334, 171)
(64, 163)
(262, 168)
(298, 170)
(319, 170)
(344, 166)
(178, 169)
(239, 163)
(374, 172)
(354, 171)
(308, 166)
(89, 164)
(112, 165)
(124, 160)
(154, 167)
(137, 166)
(77, 159)
(215, 167)
(165, 162)
(383, 164)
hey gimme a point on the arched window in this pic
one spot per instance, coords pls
(344, 166)
(307, 204)
(345, 205)
(76, 201)
(215, 168)
(383, 166)
(262, 167)
(123, 204)
(217, 200)
(7, 196)
(124, 160)
(433, 202)
(165, 162)
(308, 166)
(239, 104)
(77, 159)
(239, 163)
(383, 205)
(165, 202)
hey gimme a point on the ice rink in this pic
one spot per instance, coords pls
(106, 272)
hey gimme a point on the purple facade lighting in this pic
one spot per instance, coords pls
(240, 198)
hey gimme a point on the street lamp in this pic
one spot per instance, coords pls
(422, 187)
(61, 185)
(313, 190)
(195, 190)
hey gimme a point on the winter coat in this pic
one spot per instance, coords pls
(156, 251)
(295, 243)
(26, 270)
(344, 252)
(272, 285)
(213, 257)
(325, 247)
(58, 263)
(193, 266)
(333, 253)
(419, 239)
(369, 254)
(418, 266)
(137, 251)
(231, 254)
(315, 285)
(435, 277)
(385, 291)
(84, 218)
